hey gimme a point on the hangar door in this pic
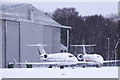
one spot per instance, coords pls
(12, 41)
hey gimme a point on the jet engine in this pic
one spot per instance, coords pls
(43, 57)
(80, 57)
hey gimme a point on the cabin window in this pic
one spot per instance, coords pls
(98, 56)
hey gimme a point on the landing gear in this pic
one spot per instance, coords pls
(98, 66)
(50, 66)
(72, 67)
(83, 66)
(61, 67)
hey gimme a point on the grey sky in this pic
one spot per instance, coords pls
(84, 8)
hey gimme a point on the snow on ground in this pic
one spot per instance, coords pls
(77, 72)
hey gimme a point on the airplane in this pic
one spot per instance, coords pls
(91, 59)
(56, 59)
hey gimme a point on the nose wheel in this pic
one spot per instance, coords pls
(98, 66)
(83, 66)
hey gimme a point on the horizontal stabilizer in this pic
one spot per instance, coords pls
(111, 61)
(84, 51)
(40, 48)
(84, 62)
(83, 45)
(37, 45)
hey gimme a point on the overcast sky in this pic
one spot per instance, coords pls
(84, 8)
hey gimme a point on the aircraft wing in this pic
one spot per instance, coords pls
(42, 63)
(111, 61)
(84, 62)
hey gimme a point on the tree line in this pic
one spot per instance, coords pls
(94, 29)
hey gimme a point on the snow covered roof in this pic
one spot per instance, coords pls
(9, 6)
(20, 12)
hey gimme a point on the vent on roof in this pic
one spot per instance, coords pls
(31, 16)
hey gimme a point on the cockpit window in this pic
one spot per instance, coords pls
(98, 56)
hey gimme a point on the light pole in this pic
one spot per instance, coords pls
(108, 48)
(67, 39)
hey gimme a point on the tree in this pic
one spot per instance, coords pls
(67, 17)
(94, 29)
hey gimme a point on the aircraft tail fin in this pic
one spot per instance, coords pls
(15, 61)
(84, 50)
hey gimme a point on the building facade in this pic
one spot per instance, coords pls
(23, 25)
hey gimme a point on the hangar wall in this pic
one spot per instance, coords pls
(38, 34)
(0, 43)
(56, 47)
(17, 35)
(30, 34)
(18, 31)
(10, 41)
(47, 38)
(3, 43)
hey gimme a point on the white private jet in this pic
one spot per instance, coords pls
(56, 59)
(91, 59)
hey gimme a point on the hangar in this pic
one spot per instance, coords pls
(23, 24)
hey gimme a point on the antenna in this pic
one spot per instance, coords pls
(84, 50)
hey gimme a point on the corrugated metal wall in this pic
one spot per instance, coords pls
(3, 44)
(10, 41)
(17, 35)
(30, 34)
(0, 43)
(56, 45)
(47, 38)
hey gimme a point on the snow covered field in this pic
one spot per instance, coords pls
(91, 72)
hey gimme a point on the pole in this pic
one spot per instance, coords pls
(19, 43)
(67, 39)
(1, 26)
(108, 49)
(5, 42)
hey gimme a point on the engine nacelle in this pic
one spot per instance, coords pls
(43, 57)
(80, 57)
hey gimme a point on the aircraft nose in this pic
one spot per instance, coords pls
(75, 60)
(100, 60)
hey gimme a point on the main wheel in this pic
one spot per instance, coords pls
(50, 66)
(61, 67)
(98, 66)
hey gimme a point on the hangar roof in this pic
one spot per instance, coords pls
(20, 12)
(9, 6)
